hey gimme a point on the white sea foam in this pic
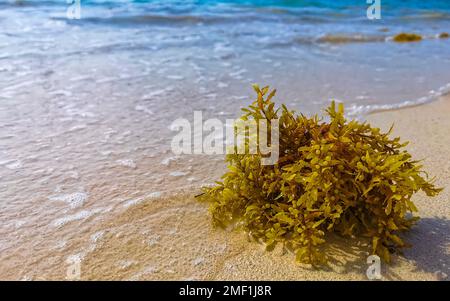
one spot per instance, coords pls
(125, 264)
(198, 261)
(144, 109)
(61, 93)
(19, 223)
(178, 173)
(153, 240)
(79, 112)
(77, 128)
(70, 218)
(167, 160)
(61, 244)
(15, 164)
(74, 200)
(106, 153)
(97, 235)
(106, 80)
(151, 269)
(154, 195)
(127, 163)
(238, 73)
(77, 216)
(361, 110)
(78, 257)
(175, 77)
(133, 202)
(80, 78)
(153, 94)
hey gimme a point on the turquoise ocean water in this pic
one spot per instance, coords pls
(311, 50)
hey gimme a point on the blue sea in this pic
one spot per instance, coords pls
(312, 51)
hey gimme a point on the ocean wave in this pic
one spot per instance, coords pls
(25, 3)
(429, 15)
(363, 110)
(206, 18)
(158, 19)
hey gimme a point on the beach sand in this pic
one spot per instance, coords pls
(171, 237)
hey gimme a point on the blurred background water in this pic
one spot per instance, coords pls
(86, 105)
(311, 51)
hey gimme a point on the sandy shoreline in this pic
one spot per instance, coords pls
(174, 239)
(171, 238)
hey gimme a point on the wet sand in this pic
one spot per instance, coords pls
(169, 236)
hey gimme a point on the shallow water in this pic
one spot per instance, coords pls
(86, 105)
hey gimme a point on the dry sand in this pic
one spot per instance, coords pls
(171, 238)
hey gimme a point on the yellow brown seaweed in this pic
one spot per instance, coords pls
(341, 176)
(407, 37)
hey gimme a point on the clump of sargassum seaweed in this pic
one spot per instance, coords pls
(413, 37)
(407, 37)
(342, 177)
